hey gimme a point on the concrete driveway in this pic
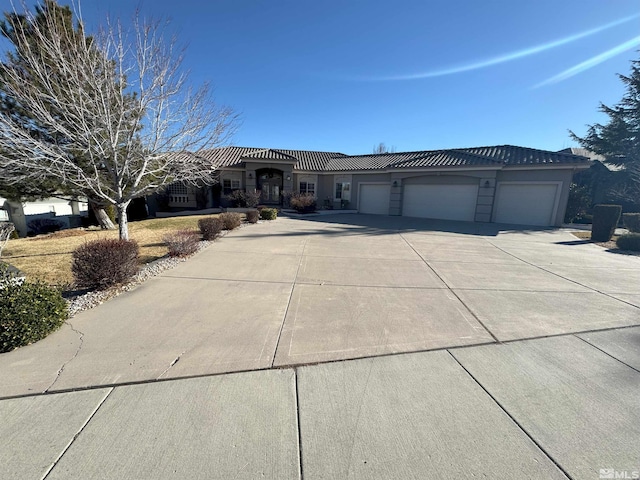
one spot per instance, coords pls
(331, 321)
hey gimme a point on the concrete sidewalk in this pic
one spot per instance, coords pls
(158, 396)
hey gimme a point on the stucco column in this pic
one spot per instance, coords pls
(395, 199)
(250, 180)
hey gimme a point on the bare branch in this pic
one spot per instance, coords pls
(117, 109)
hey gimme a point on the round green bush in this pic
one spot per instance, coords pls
(268, 213)
(28, 313)
(629, 241)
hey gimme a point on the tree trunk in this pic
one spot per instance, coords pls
(101, 216)
(123, 221)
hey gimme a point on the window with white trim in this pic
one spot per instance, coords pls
(178, 189)
(229, 185)
(342, 191)
(308, 187)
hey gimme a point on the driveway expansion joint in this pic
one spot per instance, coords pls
(451, 290)
(82, 427)
(286, 310)
(577, 335)
(513, 419)
(298, 431)
(595, 290)
(81, 339)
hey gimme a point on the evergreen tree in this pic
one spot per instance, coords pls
(618, 140)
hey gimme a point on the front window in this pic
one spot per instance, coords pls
(338, 191)
(178, 189)
(308, 187)
(229, 185)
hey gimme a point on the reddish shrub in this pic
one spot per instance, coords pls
(182, 243)
(230, 220)
(103, 263)
(210, 228)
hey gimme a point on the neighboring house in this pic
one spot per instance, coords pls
(503, 184)
(68, 213)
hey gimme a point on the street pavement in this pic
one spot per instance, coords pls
(344, 346)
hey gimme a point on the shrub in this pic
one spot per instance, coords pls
(242, 199)
(230, 220)
(237, 198)
(631, 222)
(40, 226)
(629, 241)
(210, 228)
(605, 219)
(28, 313)
(253, 198)
(103, 263)
(303, 202)
(252, 216)
(268, 213)
(182, 243)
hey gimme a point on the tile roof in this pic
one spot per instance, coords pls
(421, 159)
(512, 155)
(269, 154)
(233, 156)
(306, 160)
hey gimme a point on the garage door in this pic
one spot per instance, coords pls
(526, 203)
(448, 202)
(374, 199)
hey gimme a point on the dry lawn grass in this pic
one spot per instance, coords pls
(48, 257)
(586, 235)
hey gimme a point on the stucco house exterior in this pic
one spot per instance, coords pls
(502, 184)
(67, 213)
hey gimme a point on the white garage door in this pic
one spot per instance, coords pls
(374, 199)
(526, 203)
(448, 202)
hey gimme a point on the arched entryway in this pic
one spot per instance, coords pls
(270, 184)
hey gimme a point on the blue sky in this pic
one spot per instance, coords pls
(346, 75)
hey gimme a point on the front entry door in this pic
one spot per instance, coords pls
(270, 192)
(270, 184)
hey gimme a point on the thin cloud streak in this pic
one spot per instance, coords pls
(590, 63)
(502, 58)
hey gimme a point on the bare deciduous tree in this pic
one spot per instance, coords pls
(382, 148)
(123, 118)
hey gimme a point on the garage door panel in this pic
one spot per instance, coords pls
(447, 202)
(526, 204)
(374, 199)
